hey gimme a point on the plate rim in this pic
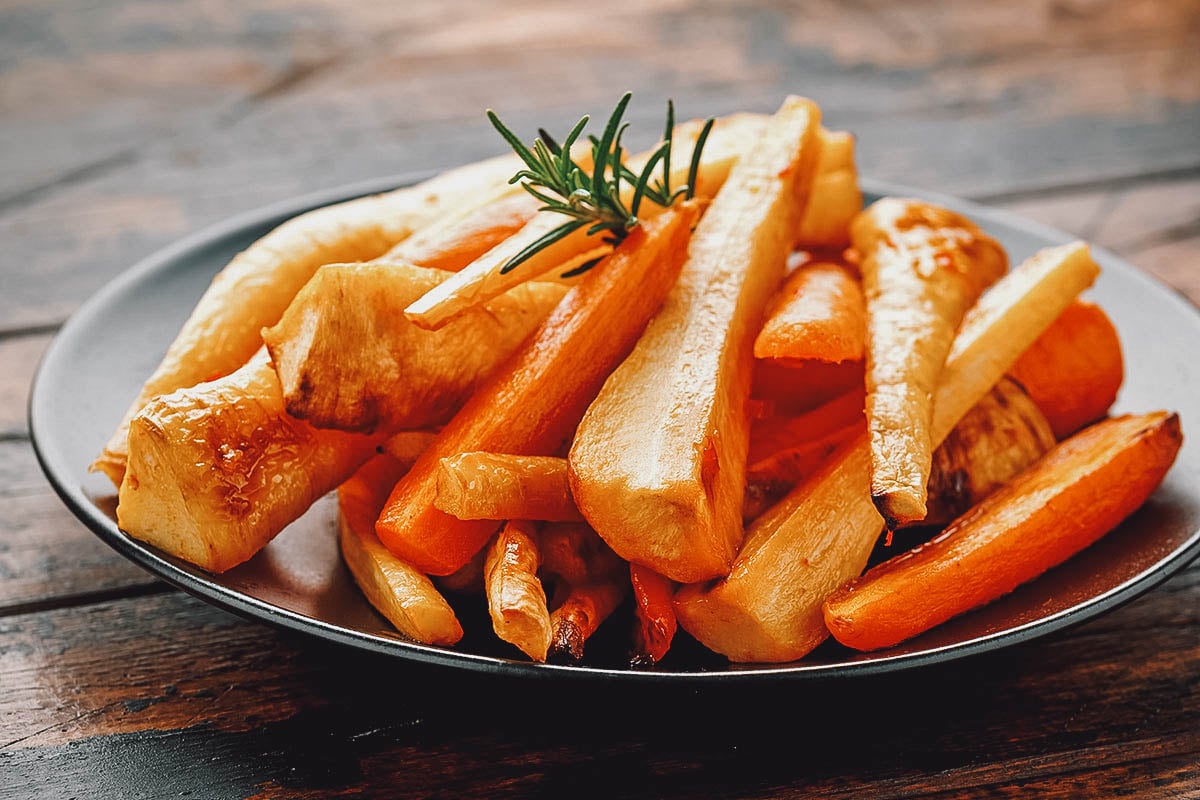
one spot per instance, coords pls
(254, 609)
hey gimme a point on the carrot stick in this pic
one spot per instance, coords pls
(407, 446)
(1079, 491)
(923, 266)
(503, 486)
(1075, 369)
(347, 358)
(818, 314)
(454, 241)
(252, 291)
(579, 614)
(656, 622)
(403, 595)
(820, 535)
(484, 279)
(516, 599)
(532, 404)
(215, 471)
(658, 464)
(788, 387)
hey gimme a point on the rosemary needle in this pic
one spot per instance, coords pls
(593, 199)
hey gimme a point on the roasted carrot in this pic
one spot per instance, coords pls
(407, 446)
(532, 404)
(1075, 369)
(655, 620)
(403, 595)
(347, 358)
(456, 240)
(252, 291)
(658, 463)
(486, 277)
(215, 471)
(818, 314)
(504, 486)
(836, 195)
(1067, 500)
(577, 616)
(787, 387)
(923, 266)
(516, 599)
(769, 606)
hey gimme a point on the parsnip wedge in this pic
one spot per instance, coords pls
(484, 279)
(504, 486)
(215, 471)
(658, 465)
(252, 291)
(347, 357)
(404, 596)
(922, 266)
(516, 599)
(768, 609)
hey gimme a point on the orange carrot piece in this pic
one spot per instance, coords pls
(457, 241)
(573, 553)
(654, 610)
(1075, 369)
(531, 405)
(818, 314)
(1075, 494)
(790, 387)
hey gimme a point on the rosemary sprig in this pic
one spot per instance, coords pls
(593, 200)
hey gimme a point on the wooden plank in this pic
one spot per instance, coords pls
(47, 557)
(80, 686)
(213, 115)
(18, 360)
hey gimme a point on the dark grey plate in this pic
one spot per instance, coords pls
(98, 360)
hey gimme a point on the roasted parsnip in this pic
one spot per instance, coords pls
(504, 486)
(768, 609)
(836, 194)
(922, 266)
(531, 405)
(252, 291)
(408, 599)
(658, 464)
(347, 357)
(516, 599)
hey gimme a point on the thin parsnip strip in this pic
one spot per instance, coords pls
(836, 194)
(532, 404)
(768, 609)
(1066, 501)
(252, 291)
(658, 464)
(516, 599)
(923, 266)
(215, 471)
(818, 314)
(404, 596)
(484, 278)
(1075, 369)
(504, 486)
(655, 622)
(347, 357)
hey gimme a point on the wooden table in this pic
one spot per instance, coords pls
(127, 125)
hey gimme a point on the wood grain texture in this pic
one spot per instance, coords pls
(127, 126)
